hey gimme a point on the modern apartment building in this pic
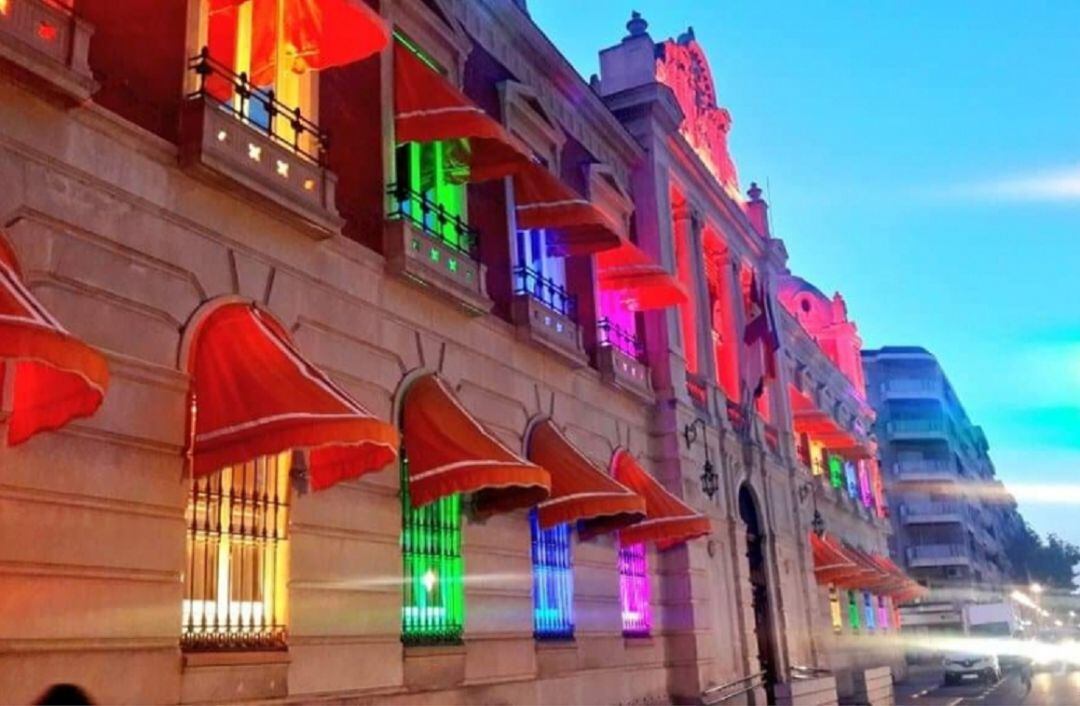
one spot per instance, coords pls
(363, 352)
(951, 517)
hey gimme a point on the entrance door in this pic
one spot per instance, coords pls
(759, 584)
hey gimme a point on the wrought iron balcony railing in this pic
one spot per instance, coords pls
(611, 334)
(258, 108)
(433, 220)
(546, 291)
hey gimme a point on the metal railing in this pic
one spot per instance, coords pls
(258, 107)
(697, 389)
(938, 551)
(611, 334)
(801, 672)
(546, 291)
(737, 416)
(723, 692)
(433, 219)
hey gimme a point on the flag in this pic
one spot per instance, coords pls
(760, 330)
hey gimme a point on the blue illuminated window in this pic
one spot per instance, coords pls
(553, 582)
(852, 479)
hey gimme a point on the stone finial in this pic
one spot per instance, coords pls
(754, 192)
(637, 25)
(687, 36)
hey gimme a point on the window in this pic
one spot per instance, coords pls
(883, 613)
(237, 551)
(851, 479)
(541, 275)
(836, 472)
(430, 190)
(866, 491)
(834, 610)
(618, 325)
(553, 581)
(634, 591)
(853, 610)
(868, 603)
(434, 599)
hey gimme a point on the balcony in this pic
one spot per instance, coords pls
(911, 389)
(917, 429)
(546, 314)
(620, 356)
(938, 555)
(434, 249)
(697, 389)
(736, 416)
(932, 512)
(926, 470)
(48, 44)
(235, 134)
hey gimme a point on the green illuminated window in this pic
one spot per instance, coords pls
(836, 472)
(434, 600)
(853, 610)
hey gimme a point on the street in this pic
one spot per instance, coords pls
(924, 687)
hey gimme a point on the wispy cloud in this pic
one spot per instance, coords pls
(1060, 184)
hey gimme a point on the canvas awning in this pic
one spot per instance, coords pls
(53, 376)
(450, 452)
(579, 227)
(668, 520)
(254, 394)
(427, 107)
(643, 283)
(579, 490)
(832, 565)
(316, 34)
(821, 426)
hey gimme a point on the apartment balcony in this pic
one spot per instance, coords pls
(917, 429)
(238, 136)
(925, 555)
(911, 389)
(620, 357)
(932, 513)
(926, 470)
(546, 314)
(47, 43)
(434, 250)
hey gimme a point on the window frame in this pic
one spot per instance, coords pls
(553, 580)
(634, 590)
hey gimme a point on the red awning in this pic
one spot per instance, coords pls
(543, 200)
(645, 284)
(254, 395)
(668, 520)
(831, 564)
(55, 377)
(450, 452)
(428, 108)
(821, 426)
(579, 490)
(874, 577)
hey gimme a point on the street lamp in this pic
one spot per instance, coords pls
(710, 481)
(818, 523)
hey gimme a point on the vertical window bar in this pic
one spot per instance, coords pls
(553, 592)
(634, 591)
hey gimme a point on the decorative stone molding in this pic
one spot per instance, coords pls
(548, 328)
(430, 263)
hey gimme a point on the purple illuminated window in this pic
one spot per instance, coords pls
(865, 490)
(618, 326)
(883, 612)
(634, 591)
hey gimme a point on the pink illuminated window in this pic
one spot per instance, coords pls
(865, 489)
(634, 591)
(883, 612)
(618, 326)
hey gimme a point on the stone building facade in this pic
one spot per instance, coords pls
(538, 250)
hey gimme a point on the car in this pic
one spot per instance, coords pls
(980, 667)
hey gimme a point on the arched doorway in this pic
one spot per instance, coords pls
(759, 586)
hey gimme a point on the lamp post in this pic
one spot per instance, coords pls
(710, 481)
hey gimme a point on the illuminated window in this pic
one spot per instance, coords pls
(835, 613)
(237, 551)
(836, 472)
(634, 591)
(853, 610)
(851, 479)
(553, 582)
(883, 613)
(869, 608)
(866, 491)
(540, 274)
(434, 600)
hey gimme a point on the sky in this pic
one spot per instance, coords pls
(924, 160)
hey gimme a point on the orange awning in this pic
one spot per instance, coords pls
(545, 201)
(668, 520)
(644, 283)
(428, 108)
(579, 490)
(832, 565)
(254, 395)
(56, 377)
(821, 426)
(873, 577)
(450, 452)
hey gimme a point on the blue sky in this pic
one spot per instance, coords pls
(923, 159)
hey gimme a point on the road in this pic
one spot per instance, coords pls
(924, 687)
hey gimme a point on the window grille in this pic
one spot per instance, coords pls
(553, 581)
(834, 610)
(430, 192)
(237, 549)
(853, 610)
(634, 591)
(868, 602)
(434, 601)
